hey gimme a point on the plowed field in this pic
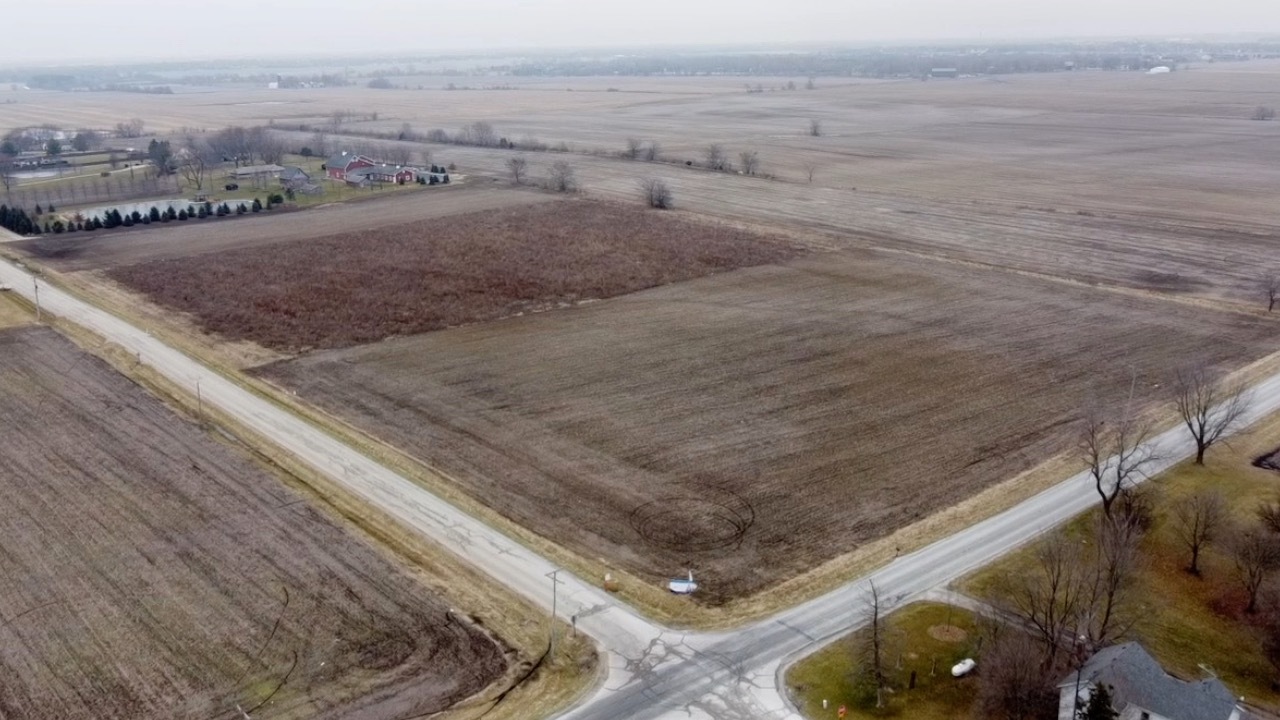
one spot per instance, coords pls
(753, 424)
(147, 571)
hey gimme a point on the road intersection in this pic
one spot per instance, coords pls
(653, 672)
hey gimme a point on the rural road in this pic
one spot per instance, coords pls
(653, 672)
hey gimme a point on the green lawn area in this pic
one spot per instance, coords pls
(1187, 622)
(333, 191)
(925, 638)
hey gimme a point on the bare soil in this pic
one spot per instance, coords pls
(125, 246)
(753, 424)
(359, 287)
(148, 571)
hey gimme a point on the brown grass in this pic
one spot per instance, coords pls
(146, 570)
(360, 287)
(13, 313)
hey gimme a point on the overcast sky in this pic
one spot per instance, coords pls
(73, 30)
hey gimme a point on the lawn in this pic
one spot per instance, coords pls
(925, 639)
(1190, 623)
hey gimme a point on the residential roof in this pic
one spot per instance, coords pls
(343, 159)
(290, 172)
(257, 170)
(382, 169)
(1139, 680)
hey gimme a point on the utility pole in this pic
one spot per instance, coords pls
(35, 282)
(199, 403)
(554, 594)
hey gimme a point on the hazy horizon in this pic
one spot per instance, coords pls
(127, 30)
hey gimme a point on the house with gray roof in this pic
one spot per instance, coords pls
(1142, 690)
(381, 172)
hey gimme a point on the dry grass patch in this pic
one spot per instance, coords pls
(14, 312)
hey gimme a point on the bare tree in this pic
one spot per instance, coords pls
(335, 120)
(1270, 285)
(1208, 406)
(634, 146)
(653, 152)
(1256, 555)
(657, 194)
(399, 154)
(562, 177)
(195, 161)
(1107, 610)
(517, 166)
(8, 176)
(478, 133)
(231, 143)
(1198, 520)
(407, 133)
(1014, 684)
(1117, 454)
(131, 129)
(815, 127)
(320, 144)
(1264, 113)
(872, 650)
(750, 160)
(1049, 600)
(716, 158)
(809, 170)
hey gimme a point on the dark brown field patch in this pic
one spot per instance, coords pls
(359, 287)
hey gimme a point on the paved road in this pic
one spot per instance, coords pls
(654, 672)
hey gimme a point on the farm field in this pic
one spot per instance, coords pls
(750, 425)
(151, 572)
(363, 286)
(1098, 141)
(124, 247)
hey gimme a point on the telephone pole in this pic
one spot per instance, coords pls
(36, 284)
(554, 594)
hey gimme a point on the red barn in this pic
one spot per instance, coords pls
(338, 166)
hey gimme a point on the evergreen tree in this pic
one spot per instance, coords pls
(38, 210)
(182, 215)
(173, 214)
(97, 223)
(128, 221)
(257, 205)
(136, 216)
(1099, 705)
(154, 214)
(52, 208)
(58, 227)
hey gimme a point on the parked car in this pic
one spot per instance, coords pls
(964, 667)
(232, 186)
